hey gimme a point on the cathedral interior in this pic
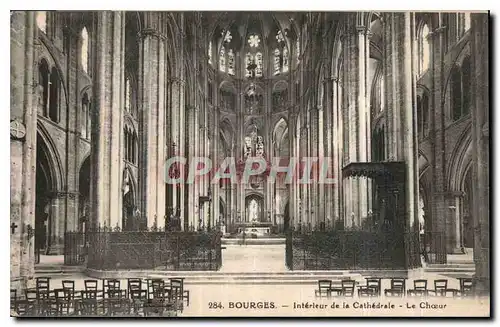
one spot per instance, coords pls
(100, 100)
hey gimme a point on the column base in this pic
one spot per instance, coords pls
(482, 285)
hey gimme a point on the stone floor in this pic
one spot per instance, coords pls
(253, 258)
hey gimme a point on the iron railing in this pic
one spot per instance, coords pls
(114, 250)
(434, 247)
(342, 249)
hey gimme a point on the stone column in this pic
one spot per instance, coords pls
(152, 86)
(292, 188)
(439, 208)
(192, 188)
(57, 222)
(336, 150)
(23, 115)
(401, 111)
(328, 155)
(314, 153)
(76, 117)
(480, 141)
(107, 135)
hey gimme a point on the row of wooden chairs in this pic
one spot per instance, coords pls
(329, 288)
(372, 288)
(140, 298)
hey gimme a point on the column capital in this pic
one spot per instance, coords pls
(177, 80)
(64, 194)
(437, 31)
(450, 194)
(150, 32)
(361, 29)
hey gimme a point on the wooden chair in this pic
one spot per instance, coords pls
(440, 287)
(13, 302)
(324, 288)
(348, 286)
(466, 287)
(336, 288)
(138, 298)
(177, 294)
(152, 285)
(419, 288)
(372, 288)
(90, 284)
(133, 284)
(397, 287)
(30, 303)
(184, 292)
(87, 304)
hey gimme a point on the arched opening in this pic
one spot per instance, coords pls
(41, 20)
(280, 96)
(54, 95)
(84, 50)
(254, 209)
(456, 93)
(43, 80)
(466, 81)
(378, 144)
(130, 217)
(468, 222)
(286, 217)
(84, 128)
(424, 54)
(44, 211)
(84, 192)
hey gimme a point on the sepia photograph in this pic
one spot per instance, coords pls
(172, 164)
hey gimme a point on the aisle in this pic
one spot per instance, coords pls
(253, 258)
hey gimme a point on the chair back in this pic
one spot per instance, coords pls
(68, 284)
(324, 284)
(176, 289)
(42, 282)
(90, 284)
(398, 284)
(348, 287)
(30, 294)
(42, 287)
(373, 282)
(420, 284)
(134, 283)
(13, 299)
(466, 286)
(440, 284)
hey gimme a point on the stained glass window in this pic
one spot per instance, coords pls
(41, 20)
(248, 61)
(222, 59)
(466, 21)
(285, 60)
(127, 95)
(297, 50)
(424, 49)
(258, 62)
(85, 50)
(228, 37)
(254, 41)
(230, 62)
(279, 37)
(277, 67)
(210, 52)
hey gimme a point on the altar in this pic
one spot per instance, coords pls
(262, 229)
